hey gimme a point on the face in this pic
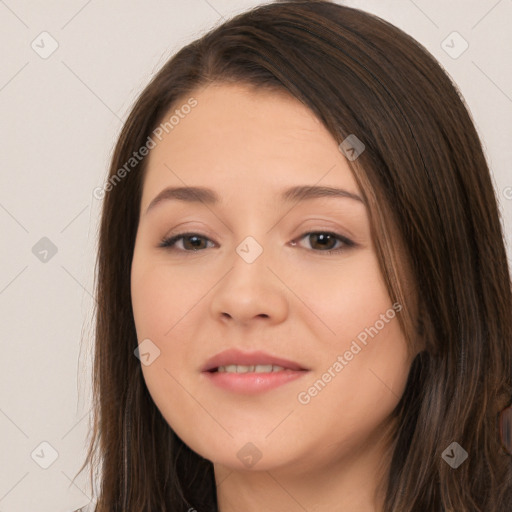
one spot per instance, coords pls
(261, 269)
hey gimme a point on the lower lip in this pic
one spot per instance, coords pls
(253, 382)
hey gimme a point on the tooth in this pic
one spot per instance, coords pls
(263, 368)
(244, 369)
(259, 368)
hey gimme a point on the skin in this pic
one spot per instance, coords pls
(293, 301)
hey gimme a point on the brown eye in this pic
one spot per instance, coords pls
(190, 242)
(324, 241)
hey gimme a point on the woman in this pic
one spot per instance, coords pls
(303, 294)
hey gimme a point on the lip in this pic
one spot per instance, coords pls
(235, 356)
(251, 382)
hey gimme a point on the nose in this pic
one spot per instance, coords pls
(249, 293)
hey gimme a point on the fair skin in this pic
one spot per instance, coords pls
(293, 301)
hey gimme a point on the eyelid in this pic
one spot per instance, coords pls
(169, 241)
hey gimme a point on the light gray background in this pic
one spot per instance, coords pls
(60, 118)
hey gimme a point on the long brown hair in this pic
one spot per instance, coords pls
(428, 189)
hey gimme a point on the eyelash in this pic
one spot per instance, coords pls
(169, 242)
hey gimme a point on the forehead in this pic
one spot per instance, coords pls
(252, 137)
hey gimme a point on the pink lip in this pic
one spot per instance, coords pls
(250, 382)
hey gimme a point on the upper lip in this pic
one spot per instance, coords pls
(235, 356)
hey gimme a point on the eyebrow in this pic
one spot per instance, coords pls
(209, 196)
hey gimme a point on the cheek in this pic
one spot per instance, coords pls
(345, 297)
(356, 388)
(365, 361)
(161, 295)
(161, 300)
(165, 302)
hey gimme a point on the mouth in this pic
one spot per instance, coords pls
(237, 361)
(240, 368)
(249, 373)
